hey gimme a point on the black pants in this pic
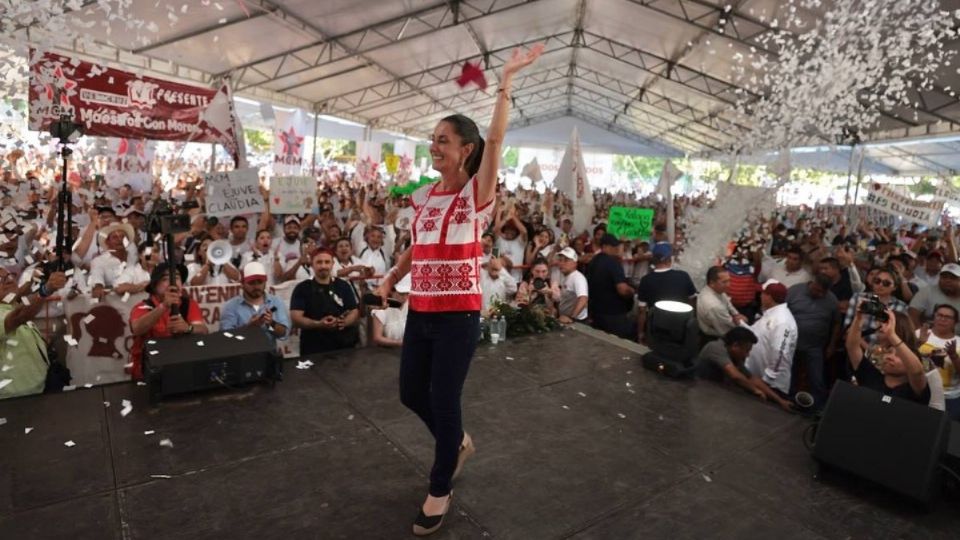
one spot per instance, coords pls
(619, 325)
(437, 349)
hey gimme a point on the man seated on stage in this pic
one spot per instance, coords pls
(325, 308)
(255, 307)
(166, 313)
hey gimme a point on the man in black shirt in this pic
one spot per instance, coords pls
(840, 284)
(611, 298)
(663, 283)
(325, 308)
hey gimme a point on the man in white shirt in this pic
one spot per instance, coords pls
(771, 359)
(789, 273)
(573, 295)
(106, 268)
(496, 284)
(135, 278)
(715, 312)
(287, 248)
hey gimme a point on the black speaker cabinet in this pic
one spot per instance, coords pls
(893, 442)
(181, 364)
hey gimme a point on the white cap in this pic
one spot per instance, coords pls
(569, 253)
(254, 269)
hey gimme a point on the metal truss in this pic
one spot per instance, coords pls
(626, 133)
(329, 49)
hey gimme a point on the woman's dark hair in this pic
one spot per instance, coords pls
(161, 271)
(469, 134)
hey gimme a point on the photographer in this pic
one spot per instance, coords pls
(166, 313)
(537, 289)
(891, 365)
(21, 345)
(884, 283)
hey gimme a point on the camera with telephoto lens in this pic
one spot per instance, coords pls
(539, 283)
(163, 220)
(874, 307)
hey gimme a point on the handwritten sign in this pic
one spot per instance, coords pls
(293, 195)
(631, 223)
(233, 193)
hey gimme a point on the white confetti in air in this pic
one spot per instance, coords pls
(125, 297)
(127, 408)
(9, 298)
(199, 344)
(581, 394)
(149, 432)
(69, 444)
(707, 478)
(27, 430)
(227, 334)
(151, 342)
(153, 352)
(629, 385)
(106, 403)
(621, 415)
(565, 407)
(509, 358)
(7, 367)
(240, 338)
(166, 443)
(89, 318)
(5, 382)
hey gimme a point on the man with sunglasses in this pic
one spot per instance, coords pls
(255, 307)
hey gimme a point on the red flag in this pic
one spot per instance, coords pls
(472, 73)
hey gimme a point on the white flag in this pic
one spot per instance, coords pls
(288, 142)
(532, 171)
(668, 176)
(572, 180)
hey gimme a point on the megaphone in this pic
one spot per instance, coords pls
(219, 252)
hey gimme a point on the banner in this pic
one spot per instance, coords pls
(630, 223)
(114, 103)
(102, 330)
(288, 142)
(130, 161)
(232, 193)
(897, 203)
(572, 181)
(293, 195)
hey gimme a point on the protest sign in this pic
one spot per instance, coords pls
(130, 161)
(232, 193)
(293, 195)
(102, 330)
(631, 223)
(898, 203)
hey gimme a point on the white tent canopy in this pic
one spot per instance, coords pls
(653, 74)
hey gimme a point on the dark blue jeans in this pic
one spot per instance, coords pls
(437, 349)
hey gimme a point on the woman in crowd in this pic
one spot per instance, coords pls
(203, 272)
(262, 253)
(939, 343)
(537, 288)
(883, 283)
(443, 324)
(389, 324)
(890, 365)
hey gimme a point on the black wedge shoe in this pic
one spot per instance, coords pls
(426, 525)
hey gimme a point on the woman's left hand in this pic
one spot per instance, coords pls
(519, 60)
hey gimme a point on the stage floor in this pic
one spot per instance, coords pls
(574, 439)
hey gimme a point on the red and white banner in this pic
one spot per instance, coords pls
(289, 135)
(130, 161)
(114, 103)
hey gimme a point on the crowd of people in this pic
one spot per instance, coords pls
(794, 305)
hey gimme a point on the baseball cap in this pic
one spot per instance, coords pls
(253, 270)
(569, 253)
(662, 250)
(291, 219)
(776, 290)
(952, 268)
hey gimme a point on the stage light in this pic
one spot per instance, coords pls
(673, 337)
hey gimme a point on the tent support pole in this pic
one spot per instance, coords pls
(856, 193)
(313, 163)
(213, 158)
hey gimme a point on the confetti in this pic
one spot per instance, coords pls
(7, 367)
(227, 334)
(707, 478)
(199, 344)
(3, 421)
(621, 415)
(149, 432)
(350, 417)
(89, 318)
(69, 444)
(5, 382)
(127, 408)
(240, 338)
(304, 364)
(509, 358)
(565, 407)
(27, 430)
(581, 394)
(166, 443)
(161, 476)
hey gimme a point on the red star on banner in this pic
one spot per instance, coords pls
(63, 84)
(291, 143)
(472, 74)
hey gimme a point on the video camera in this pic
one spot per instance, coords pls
(874, 307)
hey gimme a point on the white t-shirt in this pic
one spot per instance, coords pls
(378, 259)
(215, 277)
(514, 249)
(394, 321)
(285, 251)
(134, 274)
(574, 286)
(105, 269)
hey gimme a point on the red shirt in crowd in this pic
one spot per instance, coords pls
(158, 330)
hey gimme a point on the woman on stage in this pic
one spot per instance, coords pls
(443, 323)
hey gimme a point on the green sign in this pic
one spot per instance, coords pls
(630, 223)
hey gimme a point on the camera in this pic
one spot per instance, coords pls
(874, 307)
(539, 283)
(162, 220)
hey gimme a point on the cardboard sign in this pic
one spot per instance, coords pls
(897, 203)
(630, 223)
(232, 193)
(293, 195)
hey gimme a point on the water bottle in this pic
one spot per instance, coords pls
(502, 328)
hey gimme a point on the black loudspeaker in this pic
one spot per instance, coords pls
(893, 442)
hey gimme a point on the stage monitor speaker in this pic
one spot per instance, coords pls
(893, 442)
